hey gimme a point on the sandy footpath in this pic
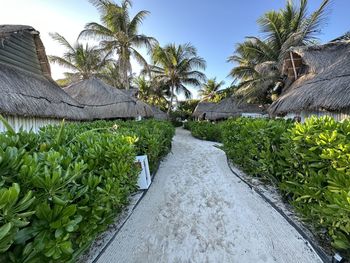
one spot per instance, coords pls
(197, 211)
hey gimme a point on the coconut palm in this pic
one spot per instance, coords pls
(118, 32)
(210, 89)
(177, 66)
(260, 60)
(152, 92)
(83, 61)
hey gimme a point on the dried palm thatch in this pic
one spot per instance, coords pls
(21, 46)
(132, 92)
(29, 95)
(325, 85)
(228, 107)
(202, 107)
(26, 87)
(105, 102)
(159, 114)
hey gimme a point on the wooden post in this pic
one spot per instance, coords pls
(295, 71)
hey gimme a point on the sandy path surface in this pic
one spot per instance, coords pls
(197, 211)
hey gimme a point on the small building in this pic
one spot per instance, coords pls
(159, 114)
(102, 101)
(317, 82)
(29, 98)
(227, 108)
(202, 109)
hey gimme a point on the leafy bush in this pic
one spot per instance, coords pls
(253, 143)
(309, 162)
(316, 164)
(62, 187)
(205, 130)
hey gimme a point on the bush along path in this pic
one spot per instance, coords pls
(197, 211)
(61, 188)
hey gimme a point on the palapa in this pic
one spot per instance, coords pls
(325, 85)
(103, 101)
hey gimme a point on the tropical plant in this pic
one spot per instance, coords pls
(118, 33)
(83, 61)
(210, 89)
(260, 59)
(177, 66)
(110, 74)
(152, 92)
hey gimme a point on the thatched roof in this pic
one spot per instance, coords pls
(132, 92)
(105, 102)
(25, 89)
(21, 46)
(228, 107)
(202, 108)
(159, 114)
(324, 86)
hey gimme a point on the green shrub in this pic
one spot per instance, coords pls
(252, 144)
(316, 165)
(62, 187)
(205, 130)
(310, 163)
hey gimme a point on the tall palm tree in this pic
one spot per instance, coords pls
(83, 61)
(177, 66)
(118, 32)
(210, 88)
(260, 60)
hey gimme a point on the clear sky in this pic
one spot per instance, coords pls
(212, 26)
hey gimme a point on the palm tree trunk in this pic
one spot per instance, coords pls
(170, 105)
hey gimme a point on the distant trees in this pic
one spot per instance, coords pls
(210, 88)
(176, 66)
(259, 60)
(82, 61)
(119, 34)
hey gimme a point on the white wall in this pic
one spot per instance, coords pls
(27, 123)
(338, 116)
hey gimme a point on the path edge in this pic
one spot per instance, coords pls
(319, 251)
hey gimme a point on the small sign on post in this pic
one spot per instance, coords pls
(144, 180)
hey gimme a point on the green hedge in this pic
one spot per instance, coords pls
(309, 162)
(62, 187)
(204, 130)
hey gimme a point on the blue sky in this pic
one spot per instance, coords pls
(212, 26)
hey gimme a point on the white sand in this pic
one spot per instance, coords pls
(198, 211)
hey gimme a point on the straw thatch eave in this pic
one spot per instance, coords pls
(326, 84)
(158, 113)
(10, 32)
(30, 95)
(105, 102)
(202, 108)
(228, 107)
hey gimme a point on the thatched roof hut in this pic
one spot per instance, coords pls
(105, 102)
(159, 114)
(228, 107)
(322, 84)
(26, 88)
(202, 108)
(132, 92)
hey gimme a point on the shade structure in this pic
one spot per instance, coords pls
(103, 101)
(325, 83)
(26, 86)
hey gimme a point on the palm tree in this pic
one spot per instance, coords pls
(119, 33)
(176, 66)
(210, 88)
(83, 61)
(152, 92)
(260, 60)
(110, 74)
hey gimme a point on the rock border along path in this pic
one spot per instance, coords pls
(197, 211)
